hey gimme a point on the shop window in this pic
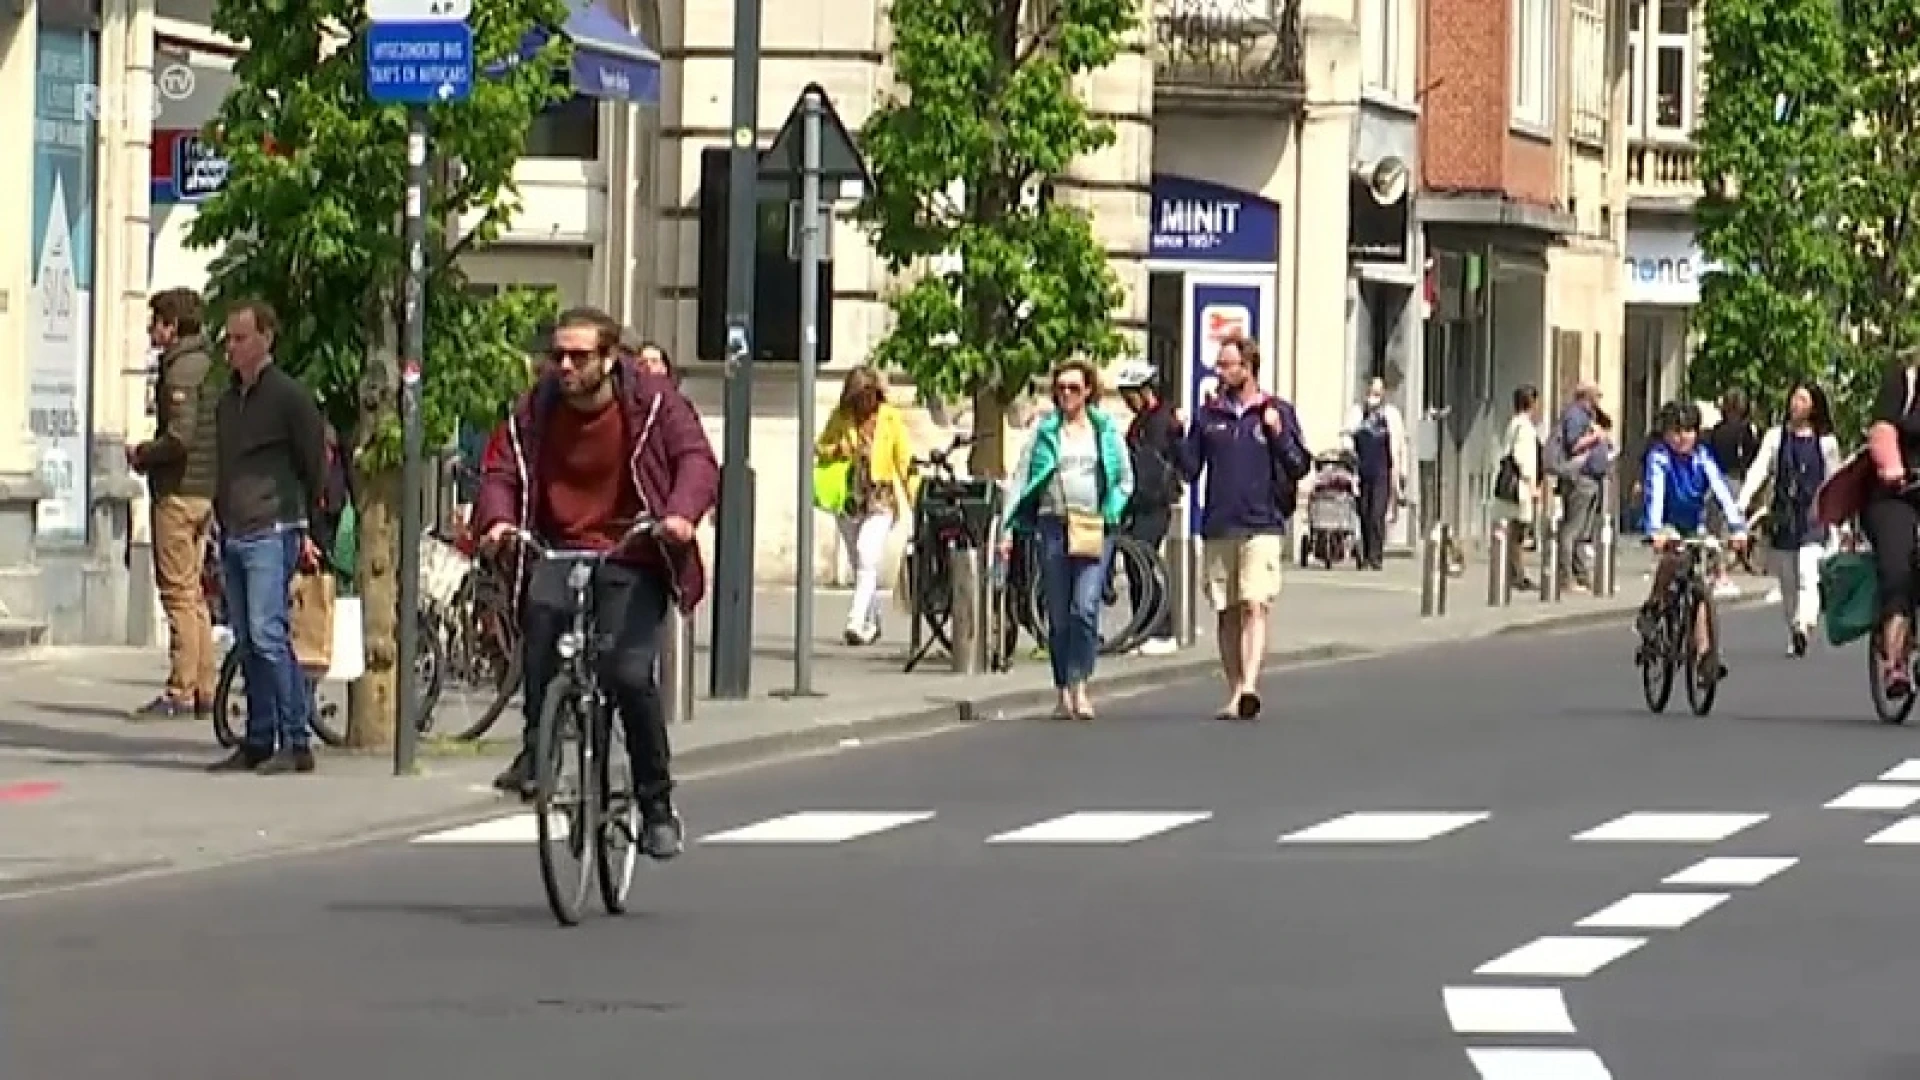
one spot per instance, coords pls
(568, 129)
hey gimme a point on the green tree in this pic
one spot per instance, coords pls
(1882, 195)
(961, 164)
(1774, 156)
(309, 222)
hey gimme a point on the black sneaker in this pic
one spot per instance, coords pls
(243, 759)
(662, 834)
(517, 777)
(1798, 647)
(290, 760)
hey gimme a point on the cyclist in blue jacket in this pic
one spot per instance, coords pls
(1680, 475)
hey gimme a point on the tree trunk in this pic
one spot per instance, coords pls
(988, 459)
(370, 704)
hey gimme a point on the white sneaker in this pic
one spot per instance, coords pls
(1159, 647)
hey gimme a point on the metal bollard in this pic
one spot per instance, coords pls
(1433, 572)
(1500, 567)
(1549, 560)
(1181, 579)
(676, 667)
(967, 568)
(1606, 559)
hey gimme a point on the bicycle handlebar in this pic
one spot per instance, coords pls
(643, 525)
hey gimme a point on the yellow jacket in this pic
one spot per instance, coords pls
(892, 458)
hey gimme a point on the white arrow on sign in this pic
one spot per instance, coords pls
(405, 11)
(446, 91)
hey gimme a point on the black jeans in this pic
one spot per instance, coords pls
(1150, 527)
(1889, 522)
(1376, 498)
(631, 606)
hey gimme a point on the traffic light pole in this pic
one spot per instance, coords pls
(732, 663)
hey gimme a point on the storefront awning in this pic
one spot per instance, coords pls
(610, 61)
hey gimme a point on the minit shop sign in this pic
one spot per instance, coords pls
(1197, 221)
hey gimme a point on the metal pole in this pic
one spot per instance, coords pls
(1180, 578)
(732, 667)
(1550, 553)
(1605, 559)
(1433, 573)
(1500, 566)
(968, 572)
(809, 359)
(413, 345)
(676, 667)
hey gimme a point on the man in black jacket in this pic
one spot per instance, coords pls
(271, 492)
(1156, 429)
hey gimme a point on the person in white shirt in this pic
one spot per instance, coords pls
(1797, 456)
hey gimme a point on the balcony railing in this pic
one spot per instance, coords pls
(1663, 172)
(1214, 49)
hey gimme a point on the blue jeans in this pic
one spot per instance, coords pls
(1074, 588)
(259, 571)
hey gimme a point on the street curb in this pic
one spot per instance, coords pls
(1571, 620)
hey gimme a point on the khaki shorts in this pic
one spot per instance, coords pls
(1244, 569)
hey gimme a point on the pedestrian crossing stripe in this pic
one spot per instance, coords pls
(1652, 827)
(819, 827)
(1100, 827)
(1385, 828)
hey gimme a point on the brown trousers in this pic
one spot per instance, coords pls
(180, 527)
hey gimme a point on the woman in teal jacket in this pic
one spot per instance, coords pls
(1068, 493)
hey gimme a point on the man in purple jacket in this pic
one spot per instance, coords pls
(1249, 446)
(597, 443)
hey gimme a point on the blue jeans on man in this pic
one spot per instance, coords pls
(1075, 588)
(259, 573)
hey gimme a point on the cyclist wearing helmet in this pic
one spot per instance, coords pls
(1156, 430)
(1680, 476)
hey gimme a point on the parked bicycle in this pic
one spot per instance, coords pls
(479, 637)
(595, 807)
(1136, 575)
(1671, 641)
(941, 527)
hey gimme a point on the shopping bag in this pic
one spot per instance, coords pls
(1086, 535)
(1849, 597)
(832, 486)
(310, 603)
(349, 648)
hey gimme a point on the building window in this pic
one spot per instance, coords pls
(1533, 64)
(1636, 78)
(1660, 69)
(1380, 42)
(568, 129)
(1589, 47)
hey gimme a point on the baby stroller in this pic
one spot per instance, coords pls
(1333, 510)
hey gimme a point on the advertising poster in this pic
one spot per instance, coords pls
(60, 361)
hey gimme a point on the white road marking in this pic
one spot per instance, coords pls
(1905, 831)
(1907, 772)
(1876, 797)
(1101, 827)
(1736, 871)
(512, 829)
(1538, 1064)
(819, 827)
(1652, 911)
(1647, 827)
(1385, 828)
(1561, 957)
(1507, 1010)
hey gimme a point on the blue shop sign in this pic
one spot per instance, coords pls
(1198, 221)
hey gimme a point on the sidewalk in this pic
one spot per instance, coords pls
(85, 794)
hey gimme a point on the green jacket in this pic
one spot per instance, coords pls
(1041, 459)
(181, 459)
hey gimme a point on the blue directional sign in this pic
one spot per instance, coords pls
(419, 63)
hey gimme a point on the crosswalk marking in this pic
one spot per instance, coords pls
(819, 827)
(1560, 957)
(1906, 831)
(512, 829)
(1876, 797)
(1537, 1063)
(1385, 828)
(1652, 827)
(1101, 827)
(1507, 1010)
(1907, 772)
(1731, 871)
(1652, 911)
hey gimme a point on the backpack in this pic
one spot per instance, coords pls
(1292, 464)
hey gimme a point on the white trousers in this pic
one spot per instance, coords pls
(1798, 573)
(865, 540)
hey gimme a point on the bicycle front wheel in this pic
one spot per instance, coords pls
(1703, 664)
(616, 848)
(230, 709)
(565, 803)
(1656, 667)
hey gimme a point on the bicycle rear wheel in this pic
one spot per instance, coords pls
(616, 847)
(566, 803)
(1142, 564)
(230, 705)
(1703, 665)
(1889, 709)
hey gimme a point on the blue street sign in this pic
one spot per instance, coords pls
(419, 63)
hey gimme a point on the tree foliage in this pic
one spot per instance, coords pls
(309, 222)
(1774, 150)
(962, 164)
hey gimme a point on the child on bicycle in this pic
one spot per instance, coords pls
(1680, 473)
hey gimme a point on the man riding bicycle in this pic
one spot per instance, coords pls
(597, 443)
(1680, 474)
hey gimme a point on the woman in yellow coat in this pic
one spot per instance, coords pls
(870, 433)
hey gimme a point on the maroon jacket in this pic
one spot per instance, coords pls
(671, 465)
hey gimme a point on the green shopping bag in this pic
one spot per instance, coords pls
(346, 549)
(1849, 597)
(832, 485)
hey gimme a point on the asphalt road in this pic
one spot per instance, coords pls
(1179, 935)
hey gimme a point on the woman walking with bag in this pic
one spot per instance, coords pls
(1516, 482)
(1069, 491)
(1798, 455)
(863, 465)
